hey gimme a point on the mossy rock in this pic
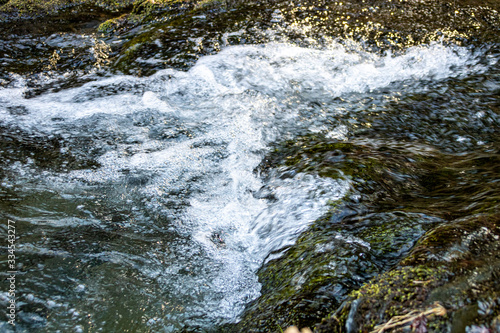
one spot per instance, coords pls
(30, 9)
(390, 234)
(308, 281)
(177, 36)
(113, 24)
(314, 276)
(455, 264)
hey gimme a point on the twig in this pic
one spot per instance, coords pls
(396, 321)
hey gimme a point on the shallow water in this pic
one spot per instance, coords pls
(140, 203)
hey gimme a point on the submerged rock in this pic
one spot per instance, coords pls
(40, 151)
(388, 175)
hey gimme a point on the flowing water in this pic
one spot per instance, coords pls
(139, 201)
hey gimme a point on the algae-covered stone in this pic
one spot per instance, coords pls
(390, 234)
(456, 265)
(113, 24)
(308, 281)
(177, 36)
(315, 275)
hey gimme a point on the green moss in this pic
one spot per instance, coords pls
(113, 24)
(209, 4)
(146, 8)
(332, 259)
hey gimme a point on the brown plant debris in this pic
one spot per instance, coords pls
(437, 309)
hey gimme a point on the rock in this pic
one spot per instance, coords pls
(455, 265)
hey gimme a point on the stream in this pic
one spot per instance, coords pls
(143, 203)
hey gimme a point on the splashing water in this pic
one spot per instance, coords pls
(176, 155)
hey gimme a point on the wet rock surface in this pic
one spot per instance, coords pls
(455, 265)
